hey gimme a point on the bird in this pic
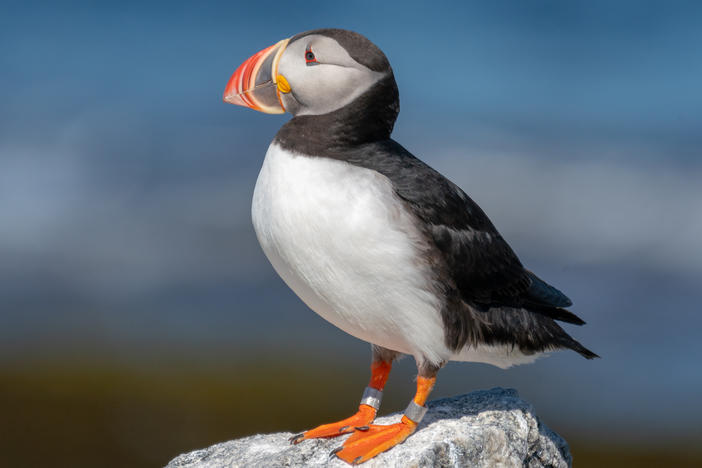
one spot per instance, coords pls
(376, 241)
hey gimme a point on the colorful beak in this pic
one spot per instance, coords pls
(255, 83)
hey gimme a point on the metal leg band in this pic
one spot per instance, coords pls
(414, 412)
(372, 397)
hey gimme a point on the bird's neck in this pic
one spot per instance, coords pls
(369, 118)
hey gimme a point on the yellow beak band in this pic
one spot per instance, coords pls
(283, 85)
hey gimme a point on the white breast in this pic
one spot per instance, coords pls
(341, 239)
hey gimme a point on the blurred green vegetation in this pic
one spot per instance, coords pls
(92, 412)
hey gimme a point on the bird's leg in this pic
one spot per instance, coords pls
(370, 402)
(364, 445)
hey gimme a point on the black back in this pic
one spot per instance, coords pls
(490, 297)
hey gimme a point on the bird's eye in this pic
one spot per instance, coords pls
(310, 59)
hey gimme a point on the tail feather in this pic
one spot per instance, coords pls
(584, 352)
(557, 313)
(531, 330)
(546, 300)
(570, 343)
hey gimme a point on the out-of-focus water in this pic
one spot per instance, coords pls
(138, 317)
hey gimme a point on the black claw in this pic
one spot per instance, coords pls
(335, 451)
(297, 438)
(362, 428)
(343, 428)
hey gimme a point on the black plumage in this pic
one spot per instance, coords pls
(490, 298)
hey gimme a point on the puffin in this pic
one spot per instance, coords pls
(376, 241)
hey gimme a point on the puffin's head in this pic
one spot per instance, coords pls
(312, 73)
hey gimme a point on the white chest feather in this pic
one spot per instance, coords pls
(339, 237)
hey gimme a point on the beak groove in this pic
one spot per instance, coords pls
(254, 83)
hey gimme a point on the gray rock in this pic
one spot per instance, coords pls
(491, 428)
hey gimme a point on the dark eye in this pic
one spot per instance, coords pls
(310, 59)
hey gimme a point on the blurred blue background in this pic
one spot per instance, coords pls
(127, 253)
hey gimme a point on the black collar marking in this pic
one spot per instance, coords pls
(368, 118)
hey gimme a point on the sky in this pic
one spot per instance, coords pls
(125, 182)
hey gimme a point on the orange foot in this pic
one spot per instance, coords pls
(365, 444)
(364, 416)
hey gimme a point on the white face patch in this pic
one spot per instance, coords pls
(334, 81)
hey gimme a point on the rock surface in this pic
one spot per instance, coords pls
(491, 428)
